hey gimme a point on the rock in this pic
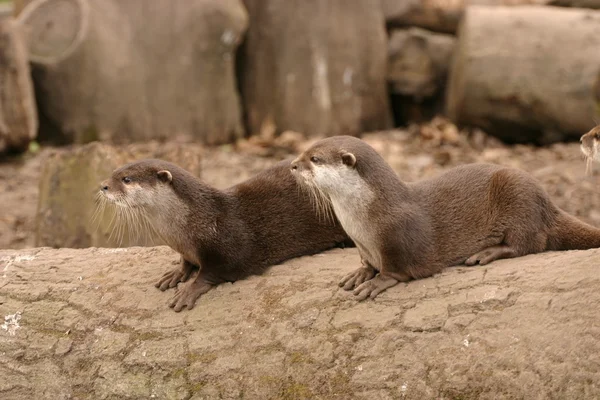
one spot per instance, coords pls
(137, 70)
(67, 215)
(418, 62)
(510, 75)
(439, 15)
(315, 67)
(517, 328)
(18, 113)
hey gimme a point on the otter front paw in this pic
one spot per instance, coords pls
(373, 287)
(357, 277)
(187, 296)
(172, 278)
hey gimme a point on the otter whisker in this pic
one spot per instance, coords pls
(589, 163)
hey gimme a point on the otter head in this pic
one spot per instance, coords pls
(329, 166)
(142, 184)
(590, 144)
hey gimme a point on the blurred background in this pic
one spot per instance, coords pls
(226, 88)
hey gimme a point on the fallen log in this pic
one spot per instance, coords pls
(86, 321)
(527, 73)
(439, 15)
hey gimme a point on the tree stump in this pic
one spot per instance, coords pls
(527, 73)
(18, 113)
(137, 70)
(315, 67)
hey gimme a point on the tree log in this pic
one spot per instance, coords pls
(89, 323)
(576, 3)
(437, 15)
(527, 73)
(66, 215)
(18, 113)
(137, 70)
(315, 67)
(418, 62)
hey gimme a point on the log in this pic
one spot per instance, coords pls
(418, 62)
(595, 4)
(89, 321)
(137, 70)
(437, 15)
(66, 214)
(18, 113)
(527, 73)
(315, 67)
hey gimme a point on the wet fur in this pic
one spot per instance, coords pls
(229, 234)
(473, 213)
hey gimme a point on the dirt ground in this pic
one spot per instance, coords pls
(415, 153)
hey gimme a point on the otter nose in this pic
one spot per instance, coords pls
(294, 167)
(104, 186)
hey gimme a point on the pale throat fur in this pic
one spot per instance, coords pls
(351, 200)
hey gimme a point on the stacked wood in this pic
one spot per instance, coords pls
(316, 67)
(18, 114)
(527, 73)
(418, 62)
(136, 70)
(438, 15)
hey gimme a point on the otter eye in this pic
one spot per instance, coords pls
(126, 179)
(314, 159)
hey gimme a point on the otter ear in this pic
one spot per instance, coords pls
(164, 176)
(349, 159)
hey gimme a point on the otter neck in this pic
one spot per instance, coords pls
(183, 223)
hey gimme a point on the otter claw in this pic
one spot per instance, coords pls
(186, 297)
(357, 277)
(374, 287)
(172, 278)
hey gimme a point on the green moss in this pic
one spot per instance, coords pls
(295, 391)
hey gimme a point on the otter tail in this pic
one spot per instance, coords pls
(570, 233)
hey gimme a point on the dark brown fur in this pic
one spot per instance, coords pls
(229, 234)
(474, 213)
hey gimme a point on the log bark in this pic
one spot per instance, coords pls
(315, 67)
(18, 113)
(527, 73)
(137, 70)
(67, 212)
(438, 15)
(89, 324)
(576, 3)
(418, 62)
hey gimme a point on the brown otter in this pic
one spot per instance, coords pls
(475, 213)
(226, 235)
(590, 147)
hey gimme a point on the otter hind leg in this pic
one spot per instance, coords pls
(515, 244)
(490, 254)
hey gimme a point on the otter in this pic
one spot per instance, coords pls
(590, 147)
(224, 235)
(471, 214)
